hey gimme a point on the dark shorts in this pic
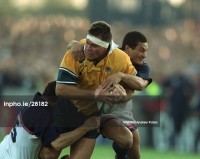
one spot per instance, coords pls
(67, 118)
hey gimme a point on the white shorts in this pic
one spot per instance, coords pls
(123, 111)
(3, 153)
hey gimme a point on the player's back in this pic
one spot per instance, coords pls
(20, 143)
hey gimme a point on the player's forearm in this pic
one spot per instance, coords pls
(73, 92)
(66, 139)
(134, 82)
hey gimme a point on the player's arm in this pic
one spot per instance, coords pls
(141, 80)
(68, 78)
(136, 82)
(66, 139)
(52, 149)
(132, 81)
(73, 91)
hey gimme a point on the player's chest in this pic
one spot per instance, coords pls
(94, 75)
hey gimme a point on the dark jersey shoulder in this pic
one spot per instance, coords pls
(39, 121)
(143, 71)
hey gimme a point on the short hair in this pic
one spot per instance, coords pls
(49, 92)
(132, 39)
(101, 30)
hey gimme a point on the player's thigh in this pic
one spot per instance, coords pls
(134, 152)
(116, 131)
(82, 148)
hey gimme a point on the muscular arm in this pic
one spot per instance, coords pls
(73, 91)
(76, 93)
(134, 82)
(69, 138)
(66, 139)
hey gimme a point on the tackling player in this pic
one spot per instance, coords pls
(34, 128)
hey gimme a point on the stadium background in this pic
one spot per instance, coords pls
(33, 40)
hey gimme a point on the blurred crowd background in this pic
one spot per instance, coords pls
(34, 37)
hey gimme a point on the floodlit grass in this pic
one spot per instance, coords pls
(106, 152)
(100, 152)
(152, 154)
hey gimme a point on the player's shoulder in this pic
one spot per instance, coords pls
(144, 66)
(69, 58)
(119, 54)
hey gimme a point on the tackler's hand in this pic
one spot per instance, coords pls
(77, 50)
(112, 80)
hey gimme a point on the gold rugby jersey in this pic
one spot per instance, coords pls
(88, 76)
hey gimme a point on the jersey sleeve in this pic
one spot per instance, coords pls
(143, 71)
(68, 71)
(50, 133)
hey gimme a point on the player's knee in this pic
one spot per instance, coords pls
(126, 142)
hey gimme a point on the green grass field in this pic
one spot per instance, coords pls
(105, 152)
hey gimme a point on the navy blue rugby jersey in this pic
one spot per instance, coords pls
(143, 71)
(38, 120)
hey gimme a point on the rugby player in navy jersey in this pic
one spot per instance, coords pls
(135, 45)
(34, 135)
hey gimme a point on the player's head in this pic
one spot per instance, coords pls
(135, 45)
(101, 30)
(49, 93)
(133, 38)
(98, 41)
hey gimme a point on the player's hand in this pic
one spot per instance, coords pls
(103, 94)
(92, 123)
(119, 94)
(77, 50)
(112, 80)
(119, 91)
